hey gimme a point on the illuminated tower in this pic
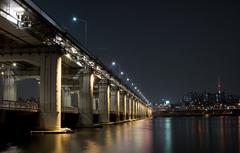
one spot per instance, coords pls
(219, 86)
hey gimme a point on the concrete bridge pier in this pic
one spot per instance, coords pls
(137, 109)
(50, 91)
(140, 110)
(9, 86)
(129, 108)
(148, 113)
(133, 108)
(124, 107)
(115, 100)
(143, 110)
(85, 103)
(121, 104)
(104, 102)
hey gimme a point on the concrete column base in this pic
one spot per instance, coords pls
(48, 121)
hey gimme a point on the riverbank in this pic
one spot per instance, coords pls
(197, 113)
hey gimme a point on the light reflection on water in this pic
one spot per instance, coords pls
(161, 135)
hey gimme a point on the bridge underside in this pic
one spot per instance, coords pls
(63, 87)
(68, 83)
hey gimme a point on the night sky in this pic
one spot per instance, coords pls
(167, 47)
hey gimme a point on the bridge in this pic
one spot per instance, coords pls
(34, 46)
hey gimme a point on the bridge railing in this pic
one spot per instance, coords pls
(68, 109)
(19, 106)
(30, 106)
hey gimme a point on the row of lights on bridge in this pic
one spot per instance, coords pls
(75, 19)
(121, 73)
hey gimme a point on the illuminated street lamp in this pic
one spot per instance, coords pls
(119, 72)
(75, 19)
(113, 63)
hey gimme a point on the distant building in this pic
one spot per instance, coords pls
(205, 99)
(211, 100)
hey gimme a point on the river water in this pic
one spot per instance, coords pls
(160, 135)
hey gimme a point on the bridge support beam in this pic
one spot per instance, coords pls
(66, 97)
(85, 103)
(104, 103)
(115, 98)
(9, 87)
(50, 91)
